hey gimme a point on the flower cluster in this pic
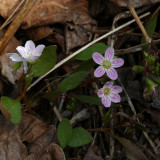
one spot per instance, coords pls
(29, 53)
(108, 93)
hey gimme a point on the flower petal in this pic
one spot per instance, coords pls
(22, 51)
(100, 92)
(118, 62)
(38, 50)
(115, 98)
(25, 66)
(100, 71)
(98, 58)
(108, 85)
(14, 57)
(116, 89)
(112, 73)
(106, 101)
(29, 46)
(109, 54)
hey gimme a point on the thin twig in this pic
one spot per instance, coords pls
(83, 48)
(132, 10)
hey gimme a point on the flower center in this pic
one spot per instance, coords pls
(30, 55)
(106, 91)
(106, 64)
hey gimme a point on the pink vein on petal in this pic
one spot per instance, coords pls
(109, 54)
(99, 72)
(118, 62)
(106, 101)
(98, 58)
(112, 73)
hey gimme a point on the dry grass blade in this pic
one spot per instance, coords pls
(10, 18)
(86, 46)
(15, 24)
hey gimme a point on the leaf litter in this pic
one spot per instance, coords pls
(70, 25)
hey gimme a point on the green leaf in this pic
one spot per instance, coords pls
(87, 53)
(138, 69)
(151, 26)
(72, 81)
(64, 132)
(80, 137)
(11, 109)
(85, 65)
(17, 65)
(89, 99)
(45, 63)
(155, 79)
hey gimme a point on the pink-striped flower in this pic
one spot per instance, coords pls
(107, 64)
(109, 93)
(29, 53)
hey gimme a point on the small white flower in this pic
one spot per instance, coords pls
(29, 53)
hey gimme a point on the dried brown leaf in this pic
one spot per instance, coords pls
(38, 33)
(30, 127)
(46, 12)
(132, 151)
(11, 146)
(91, 154)
(7, 7)
(134, 3)
(44, 147)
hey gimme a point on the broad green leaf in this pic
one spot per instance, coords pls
(85, 65)
(150, 28)
(46, 62)
(72, 81)
(132, 151)
(52, 95)
(11, 109)
(87, 53)
(64, 132)
(80, 137)
(89, 99)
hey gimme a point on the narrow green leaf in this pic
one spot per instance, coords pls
(17, 65)
(89, 99)
(46, 62)
(64, 132)
(80, 137)
(11, 109)
(87, 53)
(72, 81)
(151, 26)
(138, 69)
